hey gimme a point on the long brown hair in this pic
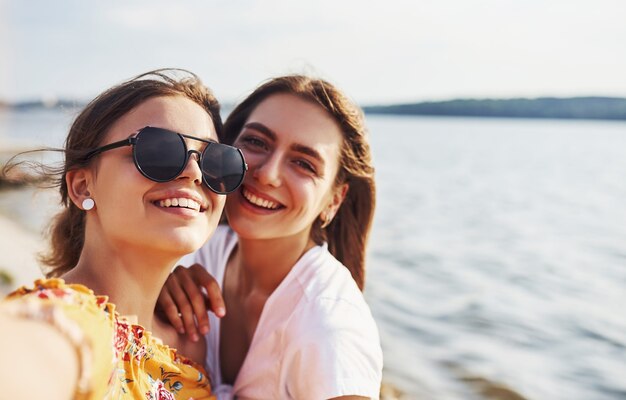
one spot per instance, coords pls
(67, 230)
(348, 232)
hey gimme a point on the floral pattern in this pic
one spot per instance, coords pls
(138, 366)
(158, 392)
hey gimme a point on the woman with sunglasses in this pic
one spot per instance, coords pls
(291, 262)
(143, 183)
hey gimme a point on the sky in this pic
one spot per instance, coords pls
(379, 52)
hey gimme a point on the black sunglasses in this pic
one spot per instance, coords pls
(162, 155)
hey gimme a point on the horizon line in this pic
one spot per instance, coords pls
(53, 102)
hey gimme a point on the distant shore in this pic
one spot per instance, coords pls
(590, 107)
(603, 108)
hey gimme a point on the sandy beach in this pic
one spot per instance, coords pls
(18, 254)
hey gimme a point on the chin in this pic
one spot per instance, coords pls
(184, 248)
(186, 243)
(245, 228)
(250, 230)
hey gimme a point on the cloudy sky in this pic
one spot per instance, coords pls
(378, 51)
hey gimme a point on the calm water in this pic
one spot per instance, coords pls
(498, 257)
(499, 253)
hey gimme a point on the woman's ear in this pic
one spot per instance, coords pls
(78, 186)
(339, 194)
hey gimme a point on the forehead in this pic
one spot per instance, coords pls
(175, 113)
(293, 119)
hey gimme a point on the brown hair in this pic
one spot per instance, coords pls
(67, 230)
(348, 232)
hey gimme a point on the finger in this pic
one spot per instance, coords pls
(197, 299)
(214, 292)
(166, 306)
(184, 305)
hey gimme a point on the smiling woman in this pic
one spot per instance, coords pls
(143, 183)
(292, 260)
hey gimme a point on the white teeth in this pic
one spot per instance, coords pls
(180, 202)
(193, 204)
(259, 202)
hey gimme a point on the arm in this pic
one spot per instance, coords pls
(31, 351)
(60, 339)
(185, 298)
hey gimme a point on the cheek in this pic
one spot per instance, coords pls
(320, 195)
(252, 159)
(218, 201)
(121, 184)
(308, 194)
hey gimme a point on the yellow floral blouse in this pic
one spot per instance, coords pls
(118, 360)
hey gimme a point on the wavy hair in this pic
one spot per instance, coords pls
(348, 232)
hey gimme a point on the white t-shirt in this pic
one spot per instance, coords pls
(315, 339)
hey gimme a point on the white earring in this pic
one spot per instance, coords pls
(88, 204)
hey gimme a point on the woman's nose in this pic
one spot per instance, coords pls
(268, 171)
(192, 168)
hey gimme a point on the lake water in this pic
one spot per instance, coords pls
(497, 263)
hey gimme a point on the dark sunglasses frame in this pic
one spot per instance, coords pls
(134, 139)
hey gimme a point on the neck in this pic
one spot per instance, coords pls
(132, 278)
(264, 263)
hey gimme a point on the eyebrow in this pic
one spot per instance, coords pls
(261, 128)
(311, 152)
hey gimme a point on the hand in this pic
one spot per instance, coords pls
(185, 303)
(36, 347)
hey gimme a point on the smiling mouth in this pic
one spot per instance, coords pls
(259, 202)
(180, 202)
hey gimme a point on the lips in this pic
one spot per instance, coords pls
(260, 200)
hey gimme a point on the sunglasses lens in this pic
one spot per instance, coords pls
(159, 154)
(223, 167)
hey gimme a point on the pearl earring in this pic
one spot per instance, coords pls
(88, 204)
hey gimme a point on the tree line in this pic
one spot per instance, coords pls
(545, 107)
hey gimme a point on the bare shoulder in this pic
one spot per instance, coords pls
(195, 351)
(166, 332)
